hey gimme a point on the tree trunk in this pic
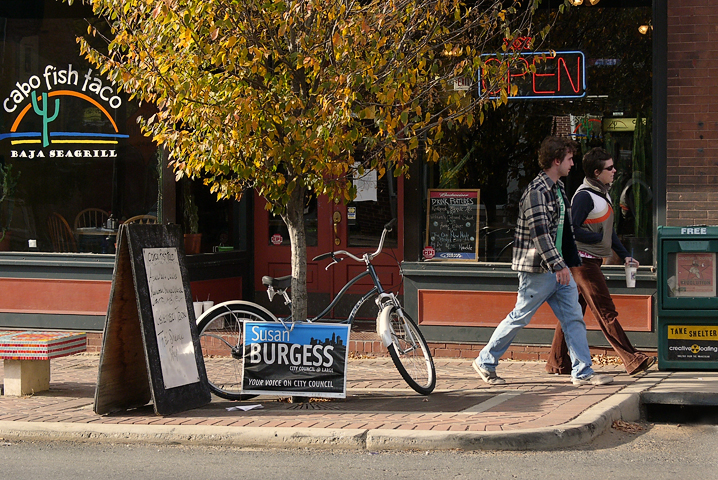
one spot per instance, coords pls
(294, 219)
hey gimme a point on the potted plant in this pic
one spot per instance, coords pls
(192, 237)
(8, 182)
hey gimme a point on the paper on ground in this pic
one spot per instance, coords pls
(244, 408)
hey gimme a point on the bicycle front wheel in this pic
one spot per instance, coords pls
(221, 331)
(410, 353)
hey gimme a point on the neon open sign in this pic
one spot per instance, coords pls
(556, 75)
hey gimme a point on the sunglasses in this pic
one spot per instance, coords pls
(611, 168)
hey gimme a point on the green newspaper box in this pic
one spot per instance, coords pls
(687, 303)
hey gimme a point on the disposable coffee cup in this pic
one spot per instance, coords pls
(207, 305)
(631, 269)
(198, 308)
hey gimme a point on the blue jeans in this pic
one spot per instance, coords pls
(534, 290)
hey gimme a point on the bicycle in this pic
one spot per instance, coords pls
(221, 329)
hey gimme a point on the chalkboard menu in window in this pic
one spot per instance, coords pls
(452, 227)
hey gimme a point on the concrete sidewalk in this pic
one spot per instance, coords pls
(533, 411)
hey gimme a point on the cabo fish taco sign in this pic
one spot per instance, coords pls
(41, 129)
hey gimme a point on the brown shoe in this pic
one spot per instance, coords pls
(647, 363)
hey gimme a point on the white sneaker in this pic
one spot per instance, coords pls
(489, 377)
(593, 379)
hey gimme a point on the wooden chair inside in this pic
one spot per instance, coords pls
(91, 217)
(60, 234)
(142, 219)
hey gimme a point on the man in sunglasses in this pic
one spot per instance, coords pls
(592, 219)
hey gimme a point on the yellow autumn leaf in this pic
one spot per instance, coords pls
(368, 113)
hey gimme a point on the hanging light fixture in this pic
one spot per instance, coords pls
(576, 3)
(594, 2)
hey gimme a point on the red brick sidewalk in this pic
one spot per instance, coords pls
(377, 399)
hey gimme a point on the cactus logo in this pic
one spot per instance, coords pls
(32, 130)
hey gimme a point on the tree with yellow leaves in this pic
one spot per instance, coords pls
(290, 97)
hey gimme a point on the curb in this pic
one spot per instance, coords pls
(582, 429)
(353, 439)
(623, 405)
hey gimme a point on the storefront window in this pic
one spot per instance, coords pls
(69, 135)
(373, 208)
(218, 222)
(499, 157)
(72, 142)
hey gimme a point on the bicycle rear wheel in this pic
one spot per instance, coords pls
(221, 331)
(410, 353)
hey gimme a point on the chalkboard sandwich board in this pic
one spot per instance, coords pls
(452, 225)
(150, 346)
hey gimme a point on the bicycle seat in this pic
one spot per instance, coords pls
(280, 283)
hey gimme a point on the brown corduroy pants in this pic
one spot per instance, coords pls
(593, 292)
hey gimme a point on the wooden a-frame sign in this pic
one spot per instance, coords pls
(150, 346)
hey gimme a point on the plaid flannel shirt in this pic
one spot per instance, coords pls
(537, 226)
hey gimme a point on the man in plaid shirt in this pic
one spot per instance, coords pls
(543, 265)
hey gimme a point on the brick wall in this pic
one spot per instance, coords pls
(562, 126)
(367, 344)
(692, 115)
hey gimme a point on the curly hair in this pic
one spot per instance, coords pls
(553, 148)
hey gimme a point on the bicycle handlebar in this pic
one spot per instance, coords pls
(322, 256)
(387, 228)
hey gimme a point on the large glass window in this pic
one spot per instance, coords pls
(74, 149)
(373, 208)
(499, 157)
(221, 224)
(70, 138)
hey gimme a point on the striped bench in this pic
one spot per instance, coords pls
(27, 356)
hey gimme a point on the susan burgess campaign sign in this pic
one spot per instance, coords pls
(308, 360)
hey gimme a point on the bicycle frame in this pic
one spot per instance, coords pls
(376, 290)
(382, 296)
